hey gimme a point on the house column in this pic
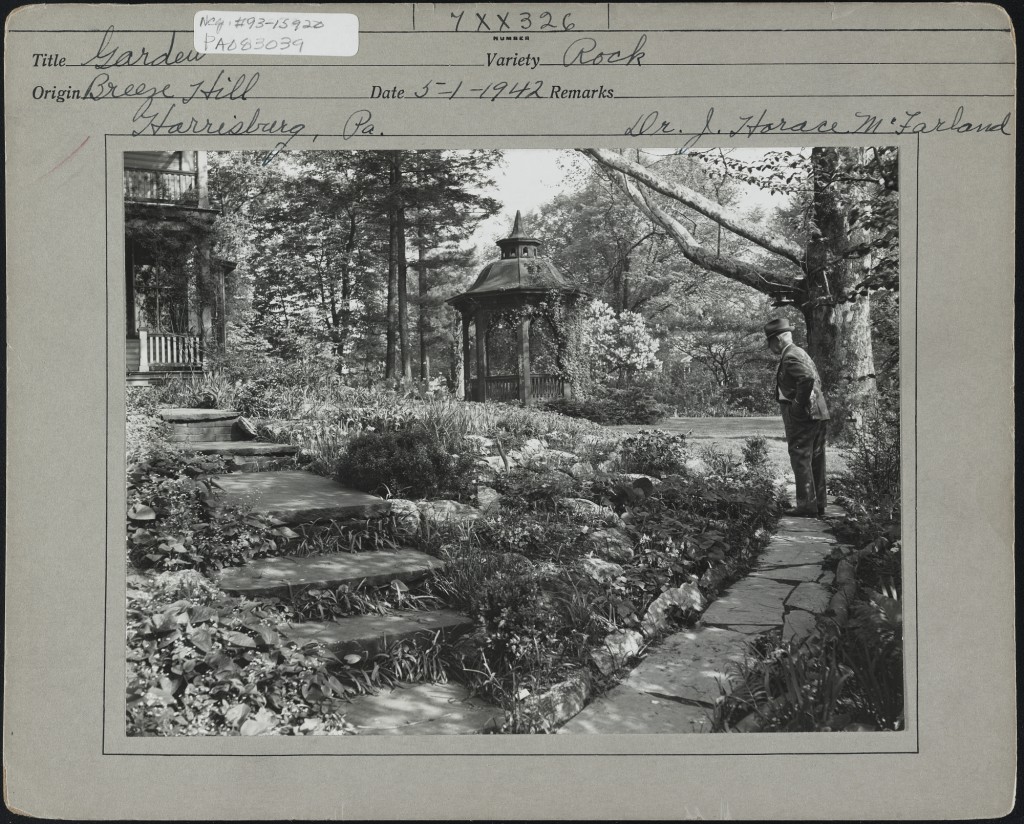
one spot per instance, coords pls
(483, 319)
(206, 293)
(467, 355)
(524, 360)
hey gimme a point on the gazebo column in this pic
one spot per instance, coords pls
(524, 360)
(482, 322)
(467, 359)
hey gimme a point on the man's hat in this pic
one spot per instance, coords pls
(777, 326)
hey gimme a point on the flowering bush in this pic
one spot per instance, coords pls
(619, 344)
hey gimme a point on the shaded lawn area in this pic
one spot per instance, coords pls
(728, 434)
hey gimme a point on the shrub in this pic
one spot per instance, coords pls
(755, 453)
(653, 452)
(610, 406)
(871, 483)
(410, 462)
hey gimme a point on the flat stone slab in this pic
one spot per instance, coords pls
(804, 526)
(788, 554)
(294, 496)
(422, 709)
(184, 415)
(750, 601)
(798, 625)
(692, 665)
(370, 634)
(753, 629)
(277, 575)
(809, 597)
(625, 710)
(794, 574)
(240, 448)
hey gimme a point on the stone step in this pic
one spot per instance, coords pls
(246, 448)
(370, 634)
(422, 709)
(270, 576)
(202, 425)
(295, 496)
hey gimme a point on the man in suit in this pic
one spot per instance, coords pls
(804, 414)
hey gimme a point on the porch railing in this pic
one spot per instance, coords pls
(169, 350)
(160, 186)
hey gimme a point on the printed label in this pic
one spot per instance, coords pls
(281, 33)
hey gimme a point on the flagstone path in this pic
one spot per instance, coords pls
(675, 688)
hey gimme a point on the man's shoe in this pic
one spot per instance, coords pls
(804, 512)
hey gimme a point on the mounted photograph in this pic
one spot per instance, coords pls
(506, 441)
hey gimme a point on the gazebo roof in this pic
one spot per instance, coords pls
(520, 270)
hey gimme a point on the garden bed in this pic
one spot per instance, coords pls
(569, 546)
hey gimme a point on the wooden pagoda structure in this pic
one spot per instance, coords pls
(511, 309)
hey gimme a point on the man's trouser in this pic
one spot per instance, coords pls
(806, 440)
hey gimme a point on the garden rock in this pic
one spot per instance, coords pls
(448, 512)
(406, 515)
(582, 470)
(636, 476)
(588, 509)
(560, 455)
(489, 500)
(696, 465)
(616, 650)
(612, 544)
(495, 462)
(481, 441)
(687, 598)
(600, 570)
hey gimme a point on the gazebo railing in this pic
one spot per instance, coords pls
(505, 388)
(546, 387)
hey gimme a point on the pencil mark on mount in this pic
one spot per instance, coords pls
(584, 52)
(157, 121)
(109, 55)
(66, 159)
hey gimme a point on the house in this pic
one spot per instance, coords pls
(174, 286)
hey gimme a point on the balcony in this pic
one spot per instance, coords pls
(161, 186)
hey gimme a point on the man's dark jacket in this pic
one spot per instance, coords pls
(800, 386)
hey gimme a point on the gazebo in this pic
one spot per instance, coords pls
(512, 307)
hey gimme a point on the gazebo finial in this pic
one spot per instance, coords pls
(517, 226)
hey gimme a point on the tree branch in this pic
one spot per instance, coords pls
(766, 239)
(749, 274)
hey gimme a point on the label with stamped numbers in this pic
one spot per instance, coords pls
(292, 34)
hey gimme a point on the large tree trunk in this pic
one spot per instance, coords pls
(838, 327)
(421, 271)
(403, 301)
(391, 340)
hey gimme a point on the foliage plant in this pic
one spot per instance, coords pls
(653, 452)
(409, 462)
(203, 664)
(174, 524)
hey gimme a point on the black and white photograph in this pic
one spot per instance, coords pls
(513, 441)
